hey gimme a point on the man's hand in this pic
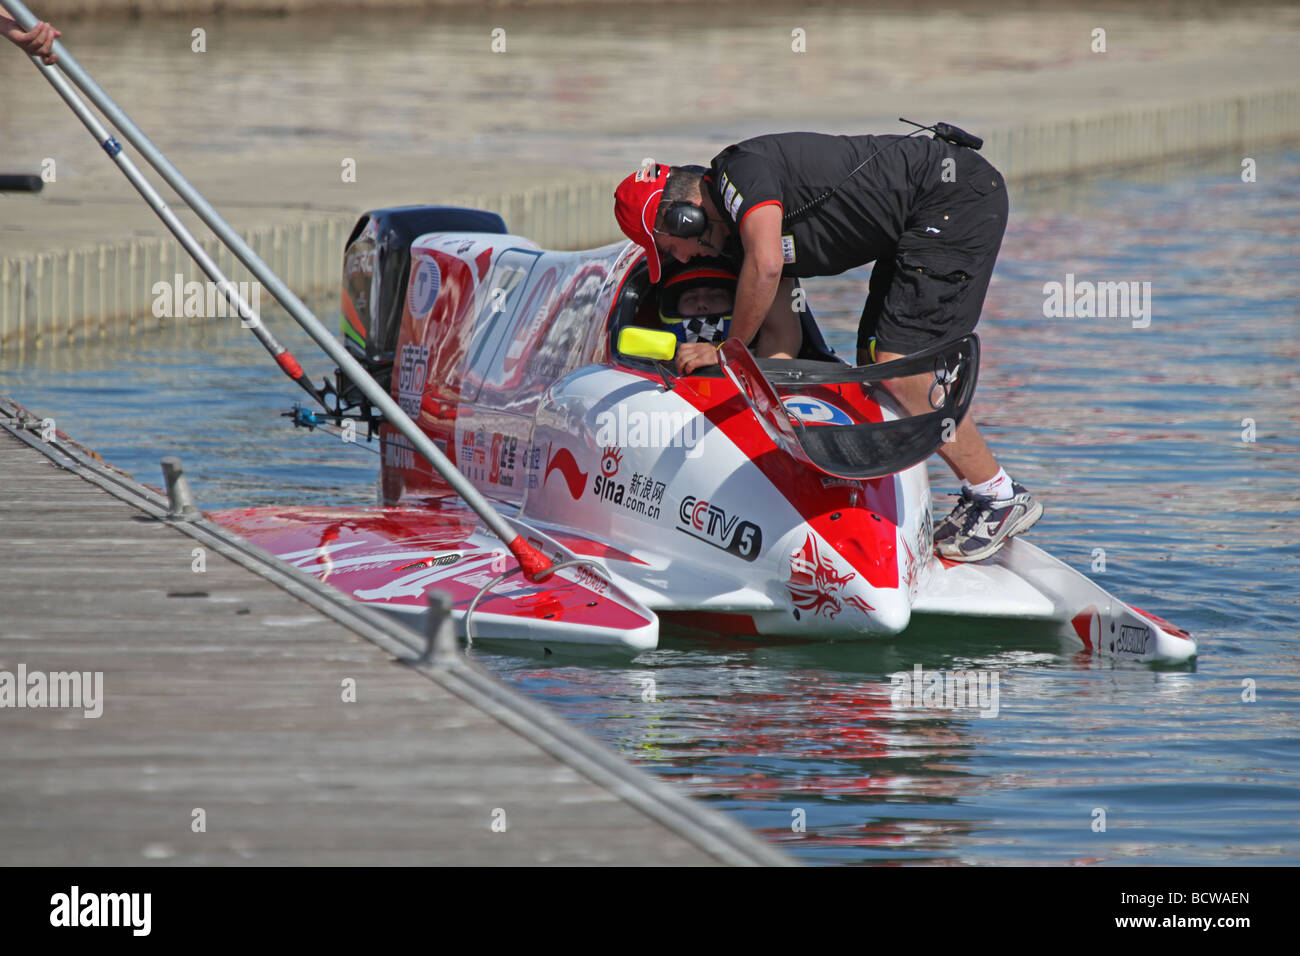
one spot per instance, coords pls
(38, 41)
(695, 355)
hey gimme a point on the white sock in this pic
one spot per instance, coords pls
(998, 487)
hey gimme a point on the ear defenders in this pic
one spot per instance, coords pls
(684, 220)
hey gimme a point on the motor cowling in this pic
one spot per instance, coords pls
(377, 266)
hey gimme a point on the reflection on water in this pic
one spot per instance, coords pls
(1133, 439)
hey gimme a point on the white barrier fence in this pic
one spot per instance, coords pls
(60, 299)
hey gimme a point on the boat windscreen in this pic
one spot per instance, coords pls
(939, 386)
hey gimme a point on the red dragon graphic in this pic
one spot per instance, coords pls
(814, 586)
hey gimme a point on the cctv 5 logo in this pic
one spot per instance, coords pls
(711, 524)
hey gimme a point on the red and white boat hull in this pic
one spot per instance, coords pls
(696, 499)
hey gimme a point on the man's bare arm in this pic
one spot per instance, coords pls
(760, 275)
(760, 278)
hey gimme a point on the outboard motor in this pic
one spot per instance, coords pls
(376, 268)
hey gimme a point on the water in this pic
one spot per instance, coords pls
(593, 88)
(1133, 437)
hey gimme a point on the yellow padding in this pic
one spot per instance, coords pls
(647, 343)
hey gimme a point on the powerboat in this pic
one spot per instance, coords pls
(765, 499)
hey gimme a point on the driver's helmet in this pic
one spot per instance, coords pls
(696, 302)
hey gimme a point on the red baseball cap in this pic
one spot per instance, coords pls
(636, 203)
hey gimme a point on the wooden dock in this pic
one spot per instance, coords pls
(251, 716)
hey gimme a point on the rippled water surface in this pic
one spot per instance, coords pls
(1133, 438)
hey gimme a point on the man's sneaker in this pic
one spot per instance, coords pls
(956, 519)
(988, 524)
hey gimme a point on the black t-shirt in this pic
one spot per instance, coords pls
(859, 223)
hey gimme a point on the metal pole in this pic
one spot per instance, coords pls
(529, 558)
(248, 316)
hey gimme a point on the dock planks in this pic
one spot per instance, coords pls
(224, 694)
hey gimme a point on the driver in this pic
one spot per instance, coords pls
(647, 204)
(696, 303)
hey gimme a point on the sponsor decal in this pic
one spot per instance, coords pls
(814, 411)
(398, 452)
(532, 463)
(411, 370)
(731, 196)
(590, 579)
(423, 289)
(1132, 640)
(815, 586)
(489, 457)
(787, 249)
(712, 525)
(641, 495)
(610, 459)
(505, 463)
(473, 454)
(575, 479)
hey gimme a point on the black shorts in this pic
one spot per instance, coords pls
(932, 288)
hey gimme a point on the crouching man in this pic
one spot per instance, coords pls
(929, 213)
